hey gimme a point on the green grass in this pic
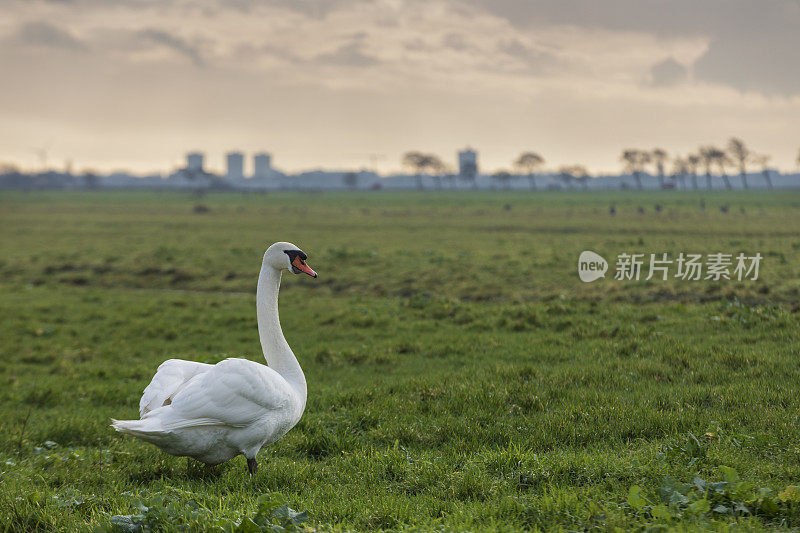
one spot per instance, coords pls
(461, 376)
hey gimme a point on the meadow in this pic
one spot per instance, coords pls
(461, 376)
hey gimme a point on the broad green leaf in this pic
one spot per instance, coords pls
(729, 474)
(281, 512)
(700, 507)
(298, 518)
(718, 487)
(668, 487)
(661, 512)
(267, 502)
(248, 526)
(125, 523)
(676, 498)
(635, 498)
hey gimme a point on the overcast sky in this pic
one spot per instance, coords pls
(134, 84)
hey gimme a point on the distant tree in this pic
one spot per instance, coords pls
(693, 162)
(529, 163)
(635, 161)
(503, 177)
(577, 173)
(437, 169)
(90, 179)
(798, 158)
(710, 156)
(420, 163)
(741, 155)
(659, 157)
(762, 160)
(570, 174)
(350, 180)
(417, 162)
(581, 175)
(723, 162)
(680, 167)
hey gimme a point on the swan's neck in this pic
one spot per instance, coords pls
(276, 350)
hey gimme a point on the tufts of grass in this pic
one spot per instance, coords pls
(460, 376)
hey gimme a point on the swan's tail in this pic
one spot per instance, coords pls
(149, 430)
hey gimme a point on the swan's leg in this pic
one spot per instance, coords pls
(252, 465)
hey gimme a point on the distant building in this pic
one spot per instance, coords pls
(235, 165)
(262, 165)
(468, 163)
(194, 162)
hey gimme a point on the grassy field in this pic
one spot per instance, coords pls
(461, 376)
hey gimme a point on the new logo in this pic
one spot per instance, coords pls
(591, 266)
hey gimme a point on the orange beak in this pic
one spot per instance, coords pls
(300, 265)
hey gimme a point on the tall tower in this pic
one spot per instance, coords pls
(468, 163)
(194, 161)
(235, 165)
(262, 165)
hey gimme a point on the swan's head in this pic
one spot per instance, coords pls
(285, 255)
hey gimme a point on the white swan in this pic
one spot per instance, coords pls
(216, 412)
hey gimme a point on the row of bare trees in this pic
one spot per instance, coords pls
(709, 159)
(527, 164)
(530, 163)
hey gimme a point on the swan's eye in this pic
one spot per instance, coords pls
(297, 260)
(294, 254)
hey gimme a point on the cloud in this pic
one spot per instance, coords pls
(318, 9)
(767, 66)
(348, 55)
(667, 73)
(455, 41)
(417, 45)
(536, 60)
(401, 73)
(753, 45)
(661, 17)
(48, 35)
(173, 43)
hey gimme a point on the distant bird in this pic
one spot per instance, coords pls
(215, 412)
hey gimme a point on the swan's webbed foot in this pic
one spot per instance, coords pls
(252, 466)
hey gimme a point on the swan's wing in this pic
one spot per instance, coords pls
(234, 393)
(170, 378)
